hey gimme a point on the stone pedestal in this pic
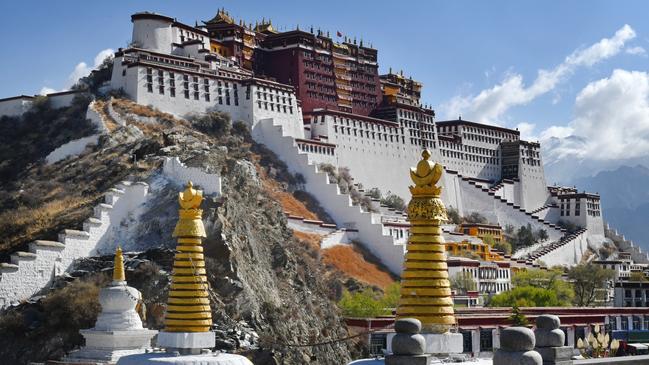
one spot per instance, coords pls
(186, 342)
(109, 346)
(517, 348)
(556, 355)
(438, 344)
(444, 344)
(175, 359)
(550, 339)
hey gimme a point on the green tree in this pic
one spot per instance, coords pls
(526, 296)
(518, 318)
(503, 246)
(463, 282)
(365, 304)
(550, 279)
(541, 235)
(589, 282)
(524, 236)
(391, 295)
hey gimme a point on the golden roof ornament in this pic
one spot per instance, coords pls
(425, 288)
(118, 266)
(425, 176)
(190, 222)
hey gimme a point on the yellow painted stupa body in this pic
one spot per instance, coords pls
(188, 306)
(118, 267)
(425, 288)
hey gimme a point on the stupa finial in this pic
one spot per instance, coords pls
(425, 176)
(118, 267)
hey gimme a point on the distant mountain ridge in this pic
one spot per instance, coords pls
(624, 197)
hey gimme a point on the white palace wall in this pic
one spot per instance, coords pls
(339, 206)
(29, 272)
(260, 102)
(113, 222)
(181, 174)
(15, 106)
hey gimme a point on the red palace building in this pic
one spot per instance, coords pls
(340, 76)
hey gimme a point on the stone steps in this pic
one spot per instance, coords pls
(31, 271)
(337, 204)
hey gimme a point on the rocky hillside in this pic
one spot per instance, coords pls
(273, 295)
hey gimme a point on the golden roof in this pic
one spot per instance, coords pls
(221, 16)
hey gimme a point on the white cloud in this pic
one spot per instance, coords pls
(527, 131)
(489, 105)
(637, 50)
(46, 90)
(611, 121)
(82, 70)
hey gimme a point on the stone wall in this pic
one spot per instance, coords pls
(31, 271)
(637, 254)
(179, 173)
(77, 146)
(15, 106)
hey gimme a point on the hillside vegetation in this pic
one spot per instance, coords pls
(268, 284)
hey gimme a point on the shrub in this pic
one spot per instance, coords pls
(369, 303)
(213, 123)
(526, 296)
(453, 215)
(75, 306)
(568, 226)
(343, 178)
(463, 282)
(374, 193)
(475, 217)
(503, 246)
(394, 201)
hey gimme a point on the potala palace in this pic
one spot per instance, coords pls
(314, 100)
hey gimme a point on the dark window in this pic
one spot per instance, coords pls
(186, 94)
(467, 342)
(195, 95)
(149, 88)
(486, 340)
(172, 92)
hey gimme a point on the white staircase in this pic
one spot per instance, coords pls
(29, 272)
(338, 206)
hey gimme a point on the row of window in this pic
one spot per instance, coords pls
(416, 116)
(274, 107)
(324, 150)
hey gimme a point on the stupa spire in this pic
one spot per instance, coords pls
(118, 266)
(188, 308)
(425, 288)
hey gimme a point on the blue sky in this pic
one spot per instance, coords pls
(458, 49)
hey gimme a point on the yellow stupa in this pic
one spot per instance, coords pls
(425, 288)
(188, 306)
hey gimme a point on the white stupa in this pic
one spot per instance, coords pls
(118, 331)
